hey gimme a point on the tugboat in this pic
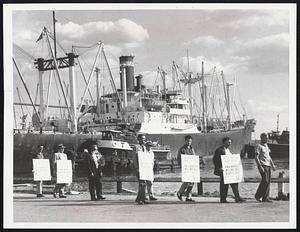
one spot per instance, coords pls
(279, 143)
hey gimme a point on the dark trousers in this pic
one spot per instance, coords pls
(59, 188)
(264, 186)
(224, 190)
(141, 189)
(95, 183)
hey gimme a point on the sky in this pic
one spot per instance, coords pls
(251, 46)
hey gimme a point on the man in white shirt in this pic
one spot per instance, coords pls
(264, 163)
(60, 155)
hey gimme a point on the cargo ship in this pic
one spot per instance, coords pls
(164, 114)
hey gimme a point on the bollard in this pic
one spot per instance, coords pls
(280, 185)
(200, 188)
(119, 186)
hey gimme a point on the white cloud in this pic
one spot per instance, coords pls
(277, 40)
(260, 18)
(205, 41)
(120, 31)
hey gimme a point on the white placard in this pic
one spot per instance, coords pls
(190, 168)
(64, 171)
(41, 169)
(232, 168)
(145, 166)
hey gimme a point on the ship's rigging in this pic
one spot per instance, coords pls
(206, 99)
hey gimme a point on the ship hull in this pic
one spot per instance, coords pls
(204, 144)
(279, 150)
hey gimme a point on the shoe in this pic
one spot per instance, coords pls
(62, 196)
(140, 202)
(240, 200)
(224, 201)
(179, 196)
(94, 199)
(267, 200)
(153, 199)
(55, 195)
(189, 199)
(146, 202)
(257, 198)
(101, 198)
(40, 195)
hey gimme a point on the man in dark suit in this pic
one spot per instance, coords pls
(224, 150)
(95, 164)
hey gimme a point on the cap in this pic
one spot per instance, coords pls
(149, 143)
(61, 145)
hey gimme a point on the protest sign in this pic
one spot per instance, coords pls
(64, 171)
(41, 169)
(232, 168)
(145, 166)
(190, 168)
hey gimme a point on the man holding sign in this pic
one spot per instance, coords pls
(219, 171)
(186, 187)
(139, 150)
(36, 170)
(60, 155)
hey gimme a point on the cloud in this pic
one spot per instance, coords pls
(268, 54)
(256, 19)
(205, 41)
(120, 31)
(264, 107)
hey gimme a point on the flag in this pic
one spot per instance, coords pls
(40, 37)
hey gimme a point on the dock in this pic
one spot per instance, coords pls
(122, 208)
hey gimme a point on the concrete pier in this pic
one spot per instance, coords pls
(122, 208)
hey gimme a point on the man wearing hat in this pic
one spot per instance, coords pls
(149, 183)
(95, 164)
(60, 155)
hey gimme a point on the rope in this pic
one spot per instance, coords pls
(27, 54)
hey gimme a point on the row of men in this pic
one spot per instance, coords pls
(95, 163)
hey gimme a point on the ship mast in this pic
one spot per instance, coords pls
(189, 84)
(203, 99)
(277, 122)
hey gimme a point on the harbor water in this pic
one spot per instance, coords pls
(247, 190)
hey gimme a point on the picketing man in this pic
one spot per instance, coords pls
(224, 150)
(141, 195)
(39, 184)
(186, 187)
(95, 164)
(264, 164)
(149, 183)
(59, 155)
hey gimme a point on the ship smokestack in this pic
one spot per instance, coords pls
(139, 82)
(126, 62)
